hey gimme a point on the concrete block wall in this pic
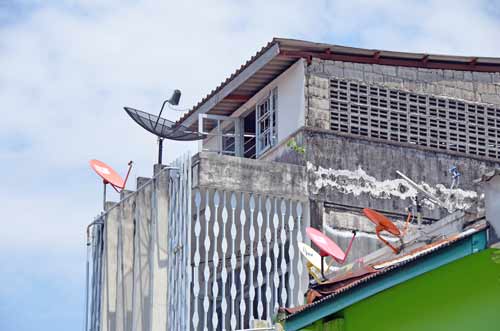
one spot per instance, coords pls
(318, 102)
(466, 85)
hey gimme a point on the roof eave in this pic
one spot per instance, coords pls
(234, 83)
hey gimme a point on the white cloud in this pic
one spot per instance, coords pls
(69, 68)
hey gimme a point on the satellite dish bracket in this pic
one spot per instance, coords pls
(310, 267)
(130, 163)
(379, 229)
(384, 224)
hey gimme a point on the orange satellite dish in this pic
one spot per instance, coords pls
(110, 176)
(328, 247)
(382, 223)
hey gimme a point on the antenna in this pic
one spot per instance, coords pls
(427, 195)
(328, 247)
(109, 176)
(420, 189)
(163, 128)
(382, 223)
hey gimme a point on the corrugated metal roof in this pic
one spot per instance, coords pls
(387, 266)
(279, 54)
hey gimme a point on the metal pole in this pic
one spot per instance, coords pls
(104, 196)
(160, 149)
(86, 320)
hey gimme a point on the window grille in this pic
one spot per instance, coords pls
(440, 123)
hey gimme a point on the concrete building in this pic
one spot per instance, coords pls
(302, 134)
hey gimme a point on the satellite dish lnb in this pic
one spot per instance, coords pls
(175, 98)
(109, 176)
(313, 261)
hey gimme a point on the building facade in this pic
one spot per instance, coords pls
(302, 134)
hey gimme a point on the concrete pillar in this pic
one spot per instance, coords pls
(109, 263)
(159, 241)
(125, 261)
(141, 309)
(492, 207)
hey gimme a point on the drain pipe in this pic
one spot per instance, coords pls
(86, 321)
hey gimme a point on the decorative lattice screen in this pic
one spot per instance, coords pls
(440, 123)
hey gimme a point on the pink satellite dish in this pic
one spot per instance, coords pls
(328, 247)
(110, 176)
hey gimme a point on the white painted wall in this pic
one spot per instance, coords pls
(291, 102)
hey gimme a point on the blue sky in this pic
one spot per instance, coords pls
(68, 67)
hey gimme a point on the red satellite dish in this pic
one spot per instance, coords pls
(110, 176)
(382, 223)
(328, 247)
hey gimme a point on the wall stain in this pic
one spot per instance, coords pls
(358, 182)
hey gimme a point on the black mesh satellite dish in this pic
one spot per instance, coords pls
(163, 128)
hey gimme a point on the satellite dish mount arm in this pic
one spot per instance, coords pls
(161, 110)
(130, 163)
(378, 229)
(174, 101)
(105, 183)
(160, 150)
(323, 255)
(348, 247)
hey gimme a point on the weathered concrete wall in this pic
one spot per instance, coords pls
(248, 175)
(110, 268)
(370, 165)
(134, 295)
(359, 172)
(125, 262)
(285, 154)
(159, 245)
(354, 173)
(141, 319)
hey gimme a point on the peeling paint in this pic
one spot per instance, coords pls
(358, 182)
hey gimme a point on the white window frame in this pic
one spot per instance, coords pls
(268, 137)
(222, 123)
